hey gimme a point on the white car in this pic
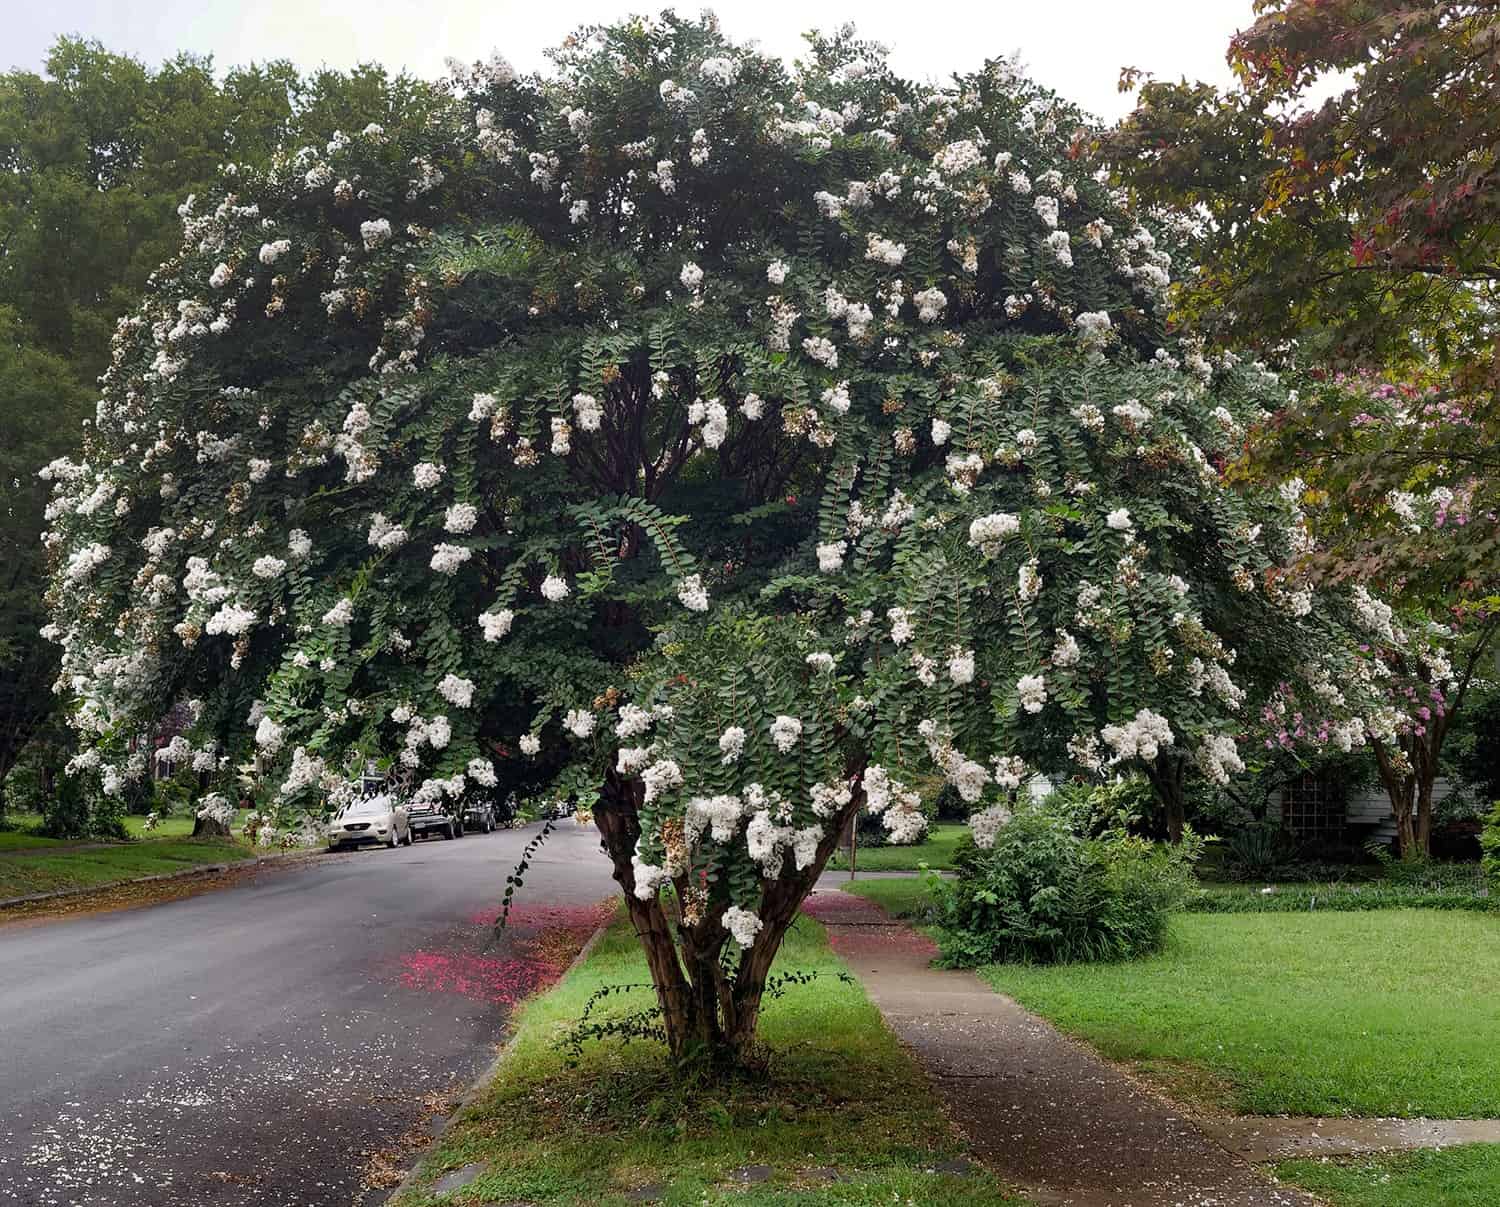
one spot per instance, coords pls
(372, 819)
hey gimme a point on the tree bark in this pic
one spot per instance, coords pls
(709, 1015)
(1165, 777)
(208, 827)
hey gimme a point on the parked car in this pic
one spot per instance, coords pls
(428, 819)
(480, 814)
(375, 818)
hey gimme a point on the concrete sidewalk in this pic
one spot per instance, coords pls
(1045, 1113)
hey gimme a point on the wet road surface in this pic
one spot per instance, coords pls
(279, 1043)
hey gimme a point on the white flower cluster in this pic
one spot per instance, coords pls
(580, 722)
(1218, 758)
(461, 517)
(785, 732)
(458, 692)
(1142, 738)
(588, 411)
(692, 594)
(496, 624)
(988, 531)
(930, 304)
(446, 559)
(885, 251)
(1031, 690)
(967, 776)
(831, 556)
(985, 825)
(732, 744)
(554, 589)
(385, 535)
(898, 807)
(742, 924)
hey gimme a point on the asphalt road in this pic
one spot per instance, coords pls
(270, 1043)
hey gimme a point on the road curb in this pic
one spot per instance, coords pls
(205, 869)
(491, 1071)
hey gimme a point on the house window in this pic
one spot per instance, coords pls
(1312, 808)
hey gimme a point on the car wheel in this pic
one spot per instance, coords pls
(447, 831)
(390, 843)
(334, 848)
(411, 836)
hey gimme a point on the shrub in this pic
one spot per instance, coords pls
(1262, 851)
(1489, 842)
(1044, 893)
(1095, 809)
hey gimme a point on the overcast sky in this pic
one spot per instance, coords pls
(1074, 46)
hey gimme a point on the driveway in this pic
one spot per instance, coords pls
(271, 1043)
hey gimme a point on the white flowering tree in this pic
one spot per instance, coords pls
(722, 443)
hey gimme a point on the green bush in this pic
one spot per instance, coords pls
(1259, 851)
(1126, 804)
(1489, 842)
(1046, 894)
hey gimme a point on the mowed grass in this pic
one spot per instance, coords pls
(840, 1093)
(936, 851)
(907, 898)
(42, 872)
(25, 840)
(1465, 1176)
(1372, 1013)
(179, 825)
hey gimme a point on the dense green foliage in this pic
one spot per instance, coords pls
(722, 445)
(1490, 841)
(1046, 894)
(97, 153)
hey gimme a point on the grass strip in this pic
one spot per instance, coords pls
(843, 1114)
(45, 872)
(1464, 1176)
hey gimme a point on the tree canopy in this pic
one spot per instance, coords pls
(723, 442)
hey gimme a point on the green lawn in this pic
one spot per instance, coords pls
(1465, 1176)
(179, 825)
(904, 898)
(25, 840)
(43, 872)
(841, 1092)
(936, 852)
(1384, 1013)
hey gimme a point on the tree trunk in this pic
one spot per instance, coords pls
(1407, 776)
(1165, 777)
(209, 827)
(709, 1017)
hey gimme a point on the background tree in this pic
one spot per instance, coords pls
(1363, 231)
(95, 157)
(40, 396)
(737, 443)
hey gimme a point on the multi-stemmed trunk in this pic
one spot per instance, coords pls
(1408, 772)
(1166, 776)
(709, 1011)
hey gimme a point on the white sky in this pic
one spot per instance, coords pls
(1074, 46)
